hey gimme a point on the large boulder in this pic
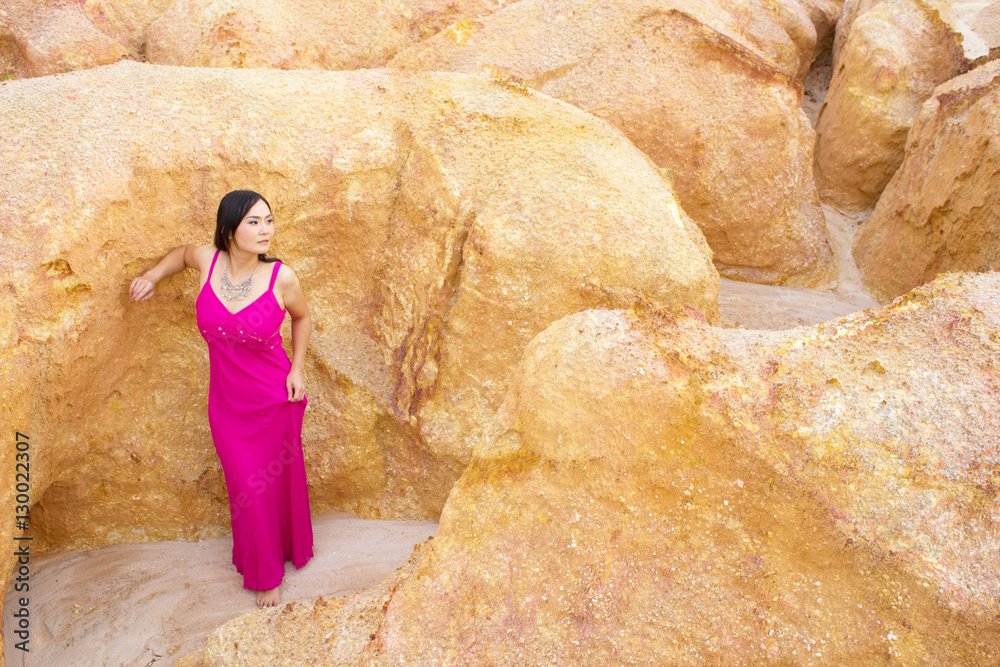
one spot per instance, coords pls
(41, 37)
(299, 34)
(893, 55)
(690, 88)
(655, 490)
(971, 20)
(784, 33)
(939, 212)
(305, 33)
(55, 36)
(437, 222)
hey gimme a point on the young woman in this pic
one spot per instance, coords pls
(256, 397)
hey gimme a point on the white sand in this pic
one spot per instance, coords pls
(768, 307)
(146, 604)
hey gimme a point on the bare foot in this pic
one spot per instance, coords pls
(269, 598)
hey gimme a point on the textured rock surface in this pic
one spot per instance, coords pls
(437, 223)
(334, 631)
(940, 211)
(987, 23)
(300, 34)
(784, 33)
(824, 15)
(53, 36)
(654, 490)
(893, 56)
(969, 18)
(739, 150)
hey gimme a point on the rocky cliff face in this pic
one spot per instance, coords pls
(710, 91)
(657, 490)
(43, 37)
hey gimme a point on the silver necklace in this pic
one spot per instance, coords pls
(237, 292)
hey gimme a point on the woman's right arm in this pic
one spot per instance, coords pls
(175, 261)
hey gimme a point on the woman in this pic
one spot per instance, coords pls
(256, 397)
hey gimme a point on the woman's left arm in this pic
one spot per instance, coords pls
(295, 304)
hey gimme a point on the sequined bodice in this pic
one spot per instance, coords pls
(257, 325)
(248, 326)
(248, 366)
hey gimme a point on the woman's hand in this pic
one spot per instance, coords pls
(296, 388)
(141, 288)
(173, 262)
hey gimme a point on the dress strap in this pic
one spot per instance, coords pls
(213, 265)
(274, 274)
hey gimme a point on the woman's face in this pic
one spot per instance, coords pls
(254, 233)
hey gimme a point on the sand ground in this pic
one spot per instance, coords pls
(770, 307)
(145, 604)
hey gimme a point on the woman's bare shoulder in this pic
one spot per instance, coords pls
(199, 256)
(286, 276)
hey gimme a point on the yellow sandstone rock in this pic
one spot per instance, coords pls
(655, 490)
(300, 34)
(687, 86)
(824, 15)
(437, 222)
(939, 212)
(41, 37)
(893, 56)
(55, 36)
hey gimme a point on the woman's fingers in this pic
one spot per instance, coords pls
(296, 389)
(140, 289)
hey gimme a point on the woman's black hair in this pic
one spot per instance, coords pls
(232, 208)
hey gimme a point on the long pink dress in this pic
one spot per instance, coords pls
(257, 433)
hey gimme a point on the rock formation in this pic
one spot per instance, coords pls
(940, 211)
(515, 317)
(55, 36)
(892, 57)
(40, 37)
(436, 221)
(689, 88)
(300, 34)
(824, 15)
(968, 19)
(654, 490)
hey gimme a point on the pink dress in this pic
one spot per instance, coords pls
(257, 433)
